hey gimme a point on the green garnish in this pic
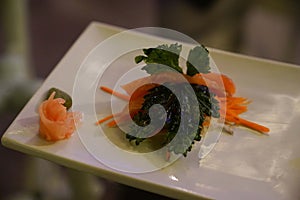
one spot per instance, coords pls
(166, 58)
(61, 94)
(160, 59)
(198, 61)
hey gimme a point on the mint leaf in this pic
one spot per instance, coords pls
(160, 59)
(198, 61)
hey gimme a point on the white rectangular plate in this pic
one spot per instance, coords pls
(242, 166)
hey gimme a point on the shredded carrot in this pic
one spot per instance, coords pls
(120, 119)
(104, 119)
(112, 123)
(253, 125)
(234, 107)
(117, 94)
(230, 106)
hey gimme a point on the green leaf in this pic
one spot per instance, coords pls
(160, 59)
(139, 59)
(60, 94)
(198, 61)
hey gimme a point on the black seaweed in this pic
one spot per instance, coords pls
(179, 118)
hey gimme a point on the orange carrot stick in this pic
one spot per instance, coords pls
(112, 123)
(104, 119)
(120, 119)
(234, 107)
(253, 125)
(117, 94)
(108, 118)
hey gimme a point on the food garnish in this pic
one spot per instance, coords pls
(214, 93)
(61, 94)
(56, 123)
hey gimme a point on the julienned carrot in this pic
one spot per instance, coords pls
(112, 116)
(104, 119)
(236, 106)
(230, 107)
(112, 123)
(253, 125)
(118, 119)
(135, 103)
(109, 124)
(117, 94)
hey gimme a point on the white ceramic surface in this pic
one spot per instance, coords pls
(243, 166)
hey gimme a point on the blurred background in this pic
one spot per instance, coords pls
(35, 35)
